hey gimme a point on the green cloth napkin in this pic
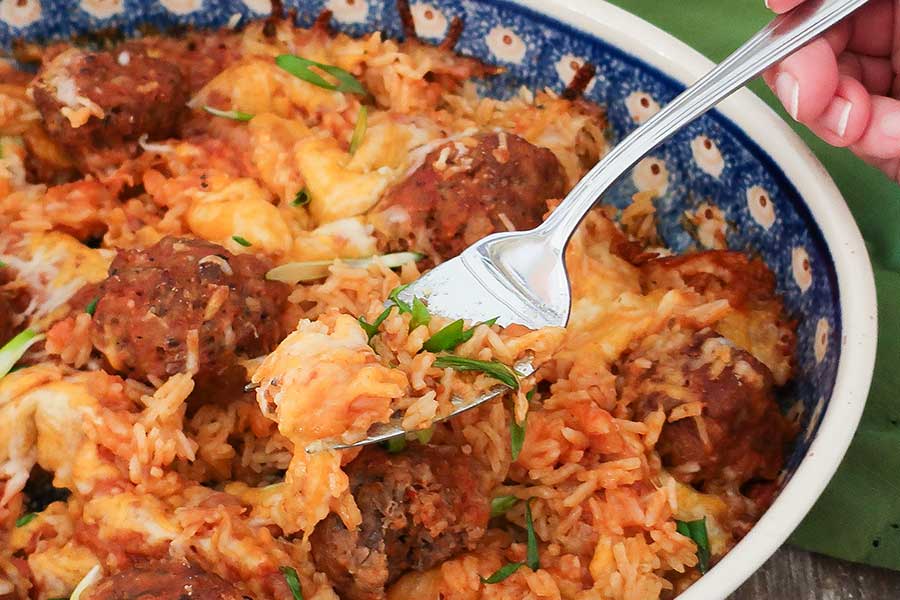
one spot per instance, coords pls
(858, 516)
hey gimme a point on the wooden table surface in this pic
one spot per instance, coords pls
(794, 574)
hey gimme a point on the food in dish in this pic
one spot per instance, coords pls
(184, 215)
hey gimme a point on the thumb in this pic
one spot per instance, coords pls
(881, 139)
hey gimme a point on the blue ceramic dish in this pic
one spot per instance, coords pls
(739, 172)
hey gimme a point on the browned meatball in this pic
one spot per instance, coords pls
(169, 580)
(185, 304)
(419, 508)
(97, 104)
(463, 192)
(740, 434)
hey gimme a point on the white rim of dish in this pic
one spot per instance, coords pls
(856, 283)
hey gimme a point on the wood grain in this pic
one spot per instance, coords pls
(794, 574)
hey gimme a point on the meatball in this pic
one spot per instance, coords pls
(185, 305)
(740, 435)
(97, 104)
(463, 192)
(418, 509)
(170, 580)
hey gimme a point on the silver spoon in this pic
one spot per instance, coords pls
(520, 276)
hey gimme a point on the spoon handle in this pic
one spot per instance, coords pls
(782, 36)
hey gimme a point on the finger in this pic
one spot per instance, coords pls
(846, 118)
(806, 81)
(839, 36)
(875, 74)
(872, 34)
(882, 137)
(781, 6)
(889, 166)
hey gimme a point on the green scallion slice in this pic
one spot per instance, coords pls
(516, 437)
(359, 130)
(242, 241)
(495, 369)
(26, 519)
(696, 530)
(502, 573)
(396, 444)
(371, 329)
(234, 115)
(501, 504)
(16, 348)
(295, 272)
(420, 315)
(302, 198)
(394, 297)
(424, 435)
(301, 67)
(452, 335)
(292, 580)
(91, 308)
(532, 559)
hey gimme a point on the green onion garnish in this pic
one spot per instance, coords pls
(396, 444)
(293, 581)
(242, 241)
(16, 348)
(516, 437)
(420, 314)
(394, 297)
(300, 67)
(501, 504)
(696, 530)
(91, 308)
(25, 519)
(502, 573)
(424, 435)
(372, 328)
(452, 335)
(234, 115)
(532, 559)
(359, 130)
(302, 198)
(495, 369)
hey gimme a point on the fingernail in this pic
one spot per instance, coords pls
(890, 125)
(788, 91)
(837, 116)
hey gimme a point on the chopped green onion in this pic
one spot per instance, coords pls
(495, 369)
(300, 67)
(394, 297)
(92, 577)
(2, 264)
(420, 314)
(452, 335)
(696, 531)
(396, 444)
(502, 573)
(234, 115)
(516, 437)
(91, 308)
(501, 504)
(25, 519)
(531, 558)
(372, 328)
(242, 241)
(295, 272)
(424, 435)
(359, 130)
(302, 198)
(16, 348)
(292, 580)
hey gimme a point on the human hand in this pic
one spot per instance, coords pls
(845, 86)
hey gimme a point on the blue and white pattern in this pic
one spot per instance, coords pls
(710, 163)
